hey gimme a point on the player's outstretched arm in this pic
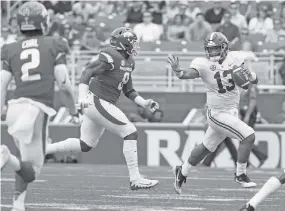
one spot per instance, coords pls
(6, 78)
(191, 73)
(64, 84)
(132, 94)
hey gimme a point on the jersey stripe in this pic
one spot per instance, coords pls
(44, 132)
(224, 126)
(59, 56)
(109, 58)
(105, 113)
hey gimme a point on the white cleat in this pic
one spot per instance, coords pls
(244, 181)
(143, 183)
(5, 154)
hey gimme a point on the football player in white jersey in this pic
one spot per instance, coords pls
(222, 100)
(272, 185)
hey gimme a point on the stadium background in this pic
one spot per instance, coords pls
(177, 27)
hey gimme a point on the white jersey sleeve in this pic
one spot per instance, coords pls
(238, 57)
(199, 64)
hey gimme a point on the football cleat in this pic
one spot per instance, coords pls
(179, 179)
(244, 180)
(143, 183)
(247, 207)
(5, 154)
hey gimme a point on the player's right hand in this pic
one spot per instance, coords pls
(82, 103)
(174, 63)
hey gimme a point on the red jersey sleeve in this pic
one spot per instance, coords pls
(5, 58)
(62, 49)
(107, 58)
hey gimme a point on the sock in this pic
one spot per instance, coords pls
(131, 156)
(68, 145)
(269, 187)
(14, 162)
(241, 168)
(186, 167)
(20, 192)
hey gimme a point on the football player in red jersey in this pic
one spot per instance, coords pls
(35, 62)
(100, 86)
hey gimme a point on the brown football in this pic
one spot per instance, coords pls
(240, 78)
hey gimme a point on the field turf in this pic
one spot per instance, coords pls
(64, 187)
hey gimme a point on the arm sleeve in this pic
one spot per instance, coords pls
(5, 59)
(107, 58)
(62, 49)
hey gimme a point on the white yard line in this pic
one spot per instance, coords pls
(12, 180)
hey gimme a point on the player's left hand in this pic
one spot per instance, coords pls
(151, 105)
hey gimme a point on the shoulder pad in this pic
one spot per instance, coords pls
(237, 56)
(199, 64)
(107, 55)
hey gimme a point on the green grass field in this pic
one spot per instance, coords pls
(100, 187)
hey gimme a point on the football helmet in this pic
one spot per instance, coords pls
(124, 39)
(216, 46)
(33, 16)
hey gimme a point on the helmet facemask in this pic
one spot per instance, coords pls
(134, 49)
(216, 53)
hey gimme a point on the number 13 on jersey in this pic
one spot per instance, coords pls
(125, 80)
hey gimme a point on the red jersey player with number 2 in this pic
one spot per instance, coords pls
(100, 86)
(35, 62)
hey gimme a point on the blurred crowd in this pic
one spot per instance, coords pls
(86, 24)
(248, 25)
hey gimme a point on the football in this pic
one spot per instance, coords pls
(240, 78)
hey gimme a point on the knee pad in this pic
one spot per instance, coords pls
(27, 171)
(132, 136)
(84, 147)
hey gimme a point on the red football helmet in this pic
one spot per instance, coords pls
(125, 39)
(216, 46)
(33, 16)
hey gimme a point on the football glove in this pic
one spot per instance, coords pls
(151, 105)
(82, 103)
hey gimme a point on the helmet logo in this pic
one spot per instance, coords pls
(123, 63)
(127, 34)
(26, 11)
(213, 67)
(211, 43)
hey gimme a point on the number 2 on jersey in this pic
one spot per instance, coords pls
(34, 54)
(223, 90)
(125, 80)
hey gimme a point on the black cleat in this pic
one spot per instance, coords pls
(244, 180)
(247, 207)
(179, 179)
